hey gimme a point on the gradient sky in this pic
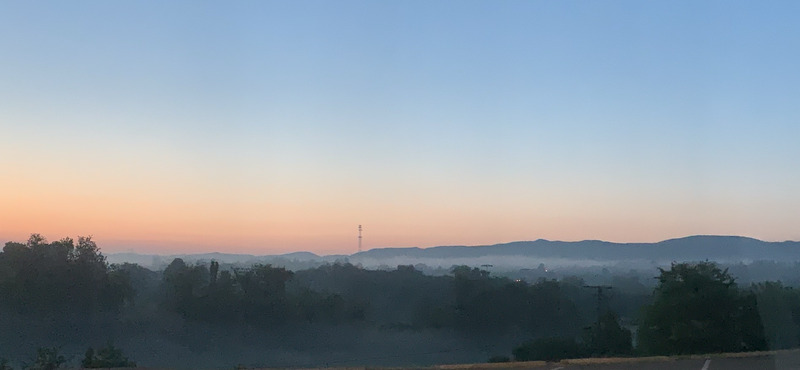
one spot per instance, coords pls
(269, 127)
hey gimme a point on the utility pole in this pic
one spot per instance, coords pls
(359, 238)
(600, 298)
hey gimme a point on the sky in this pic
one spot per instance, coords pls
(276, 126)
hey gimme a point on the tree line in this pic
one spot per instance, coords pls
(695, 307)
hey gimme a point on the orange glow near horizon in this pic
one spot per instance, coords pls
(170, 208)
(157, 225)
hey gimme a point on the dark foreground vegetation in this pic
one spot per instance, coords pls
(62, 304)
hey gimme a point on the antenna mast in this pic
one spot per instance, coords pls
(359, 238)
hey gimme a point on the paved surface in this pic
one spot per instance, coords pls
(780, 361)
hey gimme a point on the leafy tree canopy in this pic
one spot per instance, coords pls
(698, 308)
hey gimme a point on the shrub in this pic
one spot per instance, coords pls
(47, 358)
(497, 359)
(547, 349)
(109, 356)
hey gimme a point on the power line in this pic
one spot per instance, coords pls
(600, 298)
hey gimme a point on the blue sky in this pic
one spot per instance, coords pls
(277, 126)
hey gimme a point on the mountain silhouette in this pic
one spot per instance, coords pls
(699, 247)
(693, 248)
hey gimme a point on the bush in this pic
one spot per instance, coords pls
(109, 356)
(607, 338)
(47, 358)
(498, 359)
(547, 349)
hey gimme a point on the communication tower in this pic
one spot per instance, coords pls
(359, 238)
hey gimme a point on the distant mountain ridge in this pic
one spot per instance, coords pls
(698, 247)
(691, 248)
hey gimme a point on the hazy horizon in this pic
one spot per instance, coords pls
(161, 250)
(267, 128)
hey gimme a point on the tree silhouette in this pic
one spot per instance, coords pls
(106, 357)
(607, 338)
(698, 308)
(60, 277)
